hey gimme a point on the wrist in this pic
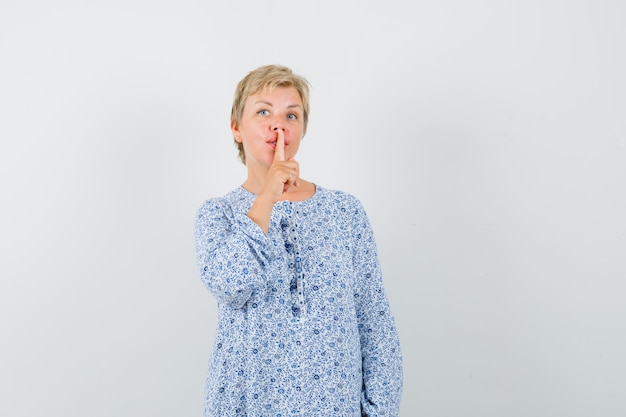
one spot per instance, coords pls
(265, 200)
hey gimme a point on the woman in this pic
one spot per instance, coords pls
(304, 325)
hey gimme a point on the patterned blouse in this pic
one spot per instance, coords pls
(304, 325)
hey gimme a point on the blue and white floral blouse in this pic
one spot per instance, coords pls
(304, 326)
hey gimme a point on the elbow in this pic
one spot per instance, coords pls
(233, 295)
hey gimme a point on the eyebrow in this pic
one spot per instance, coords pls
(271, 105)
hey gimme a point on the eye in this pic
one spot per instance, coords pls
(292, 116)
(263, 112)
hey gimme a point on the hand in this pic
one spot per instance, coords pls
(283, 175)
(280, 178)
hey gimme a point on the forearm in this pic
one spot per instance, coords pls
(231, 251)
(261, 211)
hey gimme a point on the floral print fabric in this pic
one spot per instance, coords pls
(304, 325)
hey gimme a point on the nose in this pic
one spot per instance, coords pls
(276, 124)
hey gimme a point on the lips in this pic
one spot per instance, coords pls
(272, 142)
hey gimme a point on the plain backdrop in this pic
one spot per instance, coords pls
(486, 140)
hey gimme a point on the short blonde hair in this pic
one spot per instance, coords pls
(262, 78)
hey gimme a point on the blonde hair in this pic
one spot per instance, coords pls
(267, 77)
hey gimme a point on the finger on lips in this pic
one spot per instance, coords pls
(279, 151)
(288, 167)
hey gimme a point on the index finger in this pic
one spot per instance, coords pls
(279, 151)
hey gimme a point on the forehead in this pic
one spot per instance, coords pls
(278, 95)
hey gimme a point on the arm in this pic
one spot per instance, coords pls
(232, 252)
(380, 345)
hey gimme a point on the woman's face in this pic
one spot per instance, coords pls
(263, 114)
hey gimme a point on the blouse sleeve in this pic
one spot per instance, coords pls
(232, 252)
(380, 345)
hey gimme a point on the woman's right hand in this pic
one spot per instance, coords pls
(282, 176)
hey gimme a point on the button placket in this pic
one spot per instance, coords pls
(299, 309)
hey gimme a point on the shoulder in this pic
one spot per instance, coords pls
(224, 204)
(340, 198)
(345, 207)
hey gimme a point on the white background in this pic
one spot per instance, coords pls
(486, 139)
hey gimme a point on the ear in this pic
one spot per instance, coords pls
(235, 129)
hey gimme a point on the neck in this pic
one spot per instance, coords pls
(256, 180)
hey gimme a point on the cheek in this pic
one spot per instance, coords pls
(294, 147)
